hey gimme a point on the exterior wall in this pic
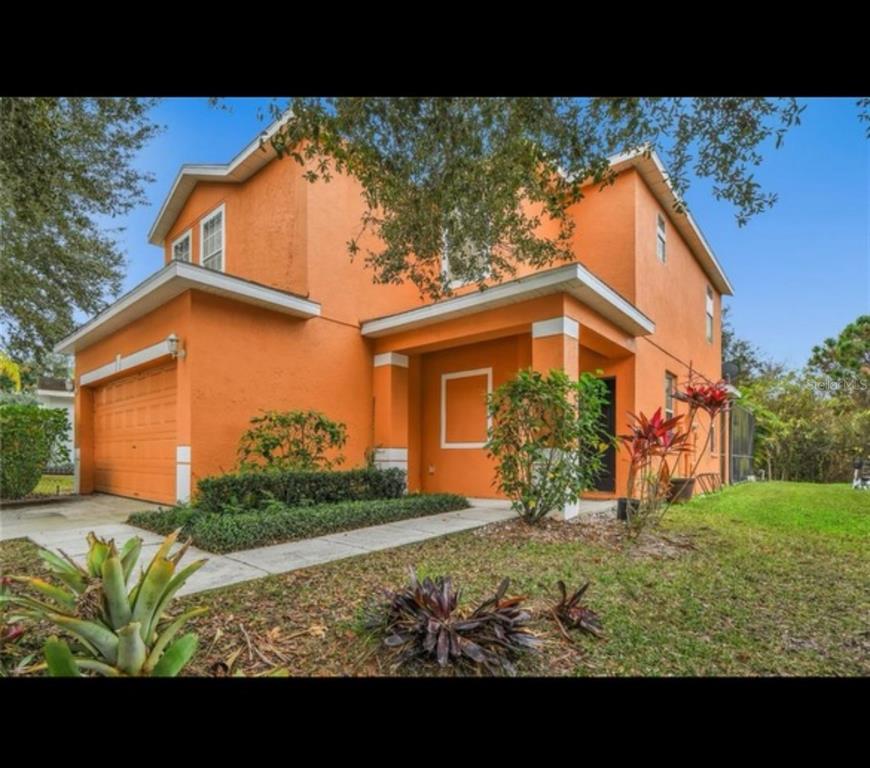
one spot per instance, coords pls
(173, 317)
(285, 232)
(680, 338)
(462, 470)
(243, 359)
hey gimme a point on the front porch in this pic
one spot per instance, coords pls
(431, 380)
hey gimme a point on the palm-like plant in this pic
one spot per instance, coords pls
(120, 632)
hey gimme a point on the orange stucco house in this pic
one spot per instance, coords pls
(258, 306)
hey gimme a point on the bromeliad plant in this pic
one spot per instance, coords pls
(422, 621)
(655, 445)
(120, 632)
(571, 613)
(651, 444)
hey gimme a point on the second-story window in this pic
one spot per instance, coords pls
(670, 388)
(709, 313)
(479, 263)
(181, 247)
(211, 238)
(661, 251)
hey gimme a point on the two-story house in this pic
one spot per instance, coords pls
(259, 306)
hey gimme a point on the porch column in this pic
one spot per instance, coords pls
(556, 345)
(390, 389)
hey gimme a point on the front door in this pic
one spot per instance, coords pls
(607, 478)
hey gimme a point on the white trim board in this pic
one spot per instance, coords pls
(171, 281)
(120, 364)
(574, 279)
(445, 377)
(557, 326)
(391, 358)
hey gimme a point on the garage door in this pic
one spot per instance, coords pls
(134, 435)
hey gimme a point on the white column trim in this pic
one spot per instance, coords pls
(77, 471)
(556, 326)
(182, 473)
(391, 358)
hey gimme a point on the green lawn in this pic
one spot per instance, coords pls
(761, 579)
(48, 485)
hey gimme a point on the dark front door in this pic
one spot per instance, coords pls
(607, 478)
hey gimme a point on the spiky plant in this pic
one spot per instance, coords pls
(572, 614)
(120, 632)
(421, 621)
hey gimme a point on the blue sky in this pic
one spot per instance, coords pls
(800, 271)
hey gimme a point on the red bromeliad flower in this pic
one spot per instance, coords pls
(712, 398)
(653, 436)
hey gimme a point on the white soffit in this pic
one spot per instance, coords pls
(574, 279)
(171, 281)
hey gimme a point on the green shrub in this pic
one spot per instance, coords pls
(279, 523)
(547, 439)
(31, 436)
(296, 440)
(246, 491)
(164, 521)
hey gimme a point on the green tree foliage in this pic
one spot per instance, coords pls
(31, 437)
(64, 164)
(804, 430)
(739, 352)
(846, 360)
(300, 440)
(547, 439)
(476, 177)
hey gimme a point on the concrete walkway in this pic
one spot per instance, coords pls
(235, 567)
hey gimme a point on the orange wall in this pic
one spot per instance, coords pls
(287, 233)
(244, 358)
(173, 317)
(462, 470)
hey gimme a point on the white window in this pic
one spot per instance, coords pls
(709, 313)
(670, 388)
(211, 241)
(482, 257)
(661, 252)
(181, 247)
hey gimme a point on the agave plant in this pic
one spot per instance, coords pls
(570, 613)
(120, 632)
(421, 621)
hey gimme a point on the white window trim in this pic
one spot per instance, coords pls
(219, 211)
(661, 230)
(670, 377)
(189, 235)
(445, 377)
(445, 268)
(709, 311)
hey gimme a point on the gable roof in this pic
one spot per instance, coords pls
(260, 152)
(652, 171)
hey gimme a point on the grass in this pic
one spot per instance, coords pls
(761, 579)
(48, 485)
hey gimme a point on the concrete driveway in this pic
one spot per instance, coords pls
(97, 509)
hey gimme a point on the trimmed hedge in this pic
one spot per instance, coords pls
(278, 523)
(164, 521)
(242, 492)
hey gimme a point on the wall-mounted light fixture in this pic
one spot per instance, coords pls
(175, 350)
